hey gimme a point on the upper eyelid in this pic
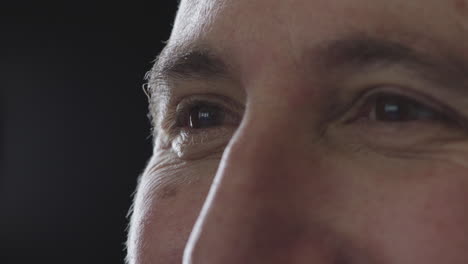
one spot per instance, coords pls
(408, 94)
(421, 99)
(210, 98)
(184, 104)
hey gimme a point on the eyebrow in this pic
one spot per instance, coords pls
(352, 53)
(194, 63)
(360, 52)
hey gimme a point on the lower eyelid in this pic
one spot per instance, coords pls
(188, 145)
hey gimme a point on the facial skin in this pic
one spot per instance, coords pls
(308, 131)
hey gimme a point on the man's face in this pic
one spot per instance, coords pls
(308, 131)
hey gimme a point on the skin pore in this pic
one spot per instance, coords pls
(308, 131)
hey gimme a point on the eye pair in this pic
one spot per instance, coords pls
(388, 108)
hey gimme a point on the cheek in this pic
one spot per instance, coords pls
(165, 214)
(426, 223)
(414, 212)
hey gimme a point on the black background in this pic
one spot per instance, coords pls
(74, 130)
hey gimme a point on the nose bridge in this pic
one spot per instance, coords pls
(262, 154)
(252, 209)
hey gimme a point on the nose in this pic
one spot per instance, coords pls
(254, 212)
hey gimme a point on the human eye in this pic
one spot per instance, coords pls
(403, 119)
(198, 114)
(205, 112)
(395, 108)
(202, 124)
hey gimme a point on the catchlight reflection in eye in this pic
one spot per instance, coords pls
(205, 116)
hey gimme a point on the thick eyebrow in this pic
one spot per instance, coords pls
(194, 63)
(357, 53)
(362, 51)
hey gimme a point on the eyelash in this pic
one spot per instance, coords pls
(366, 102)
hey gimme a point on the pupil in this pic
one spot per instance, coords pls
(393, 109)
(205, 116)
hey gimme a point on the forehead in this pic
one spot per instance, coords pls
(251, 31)
(198, 16)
